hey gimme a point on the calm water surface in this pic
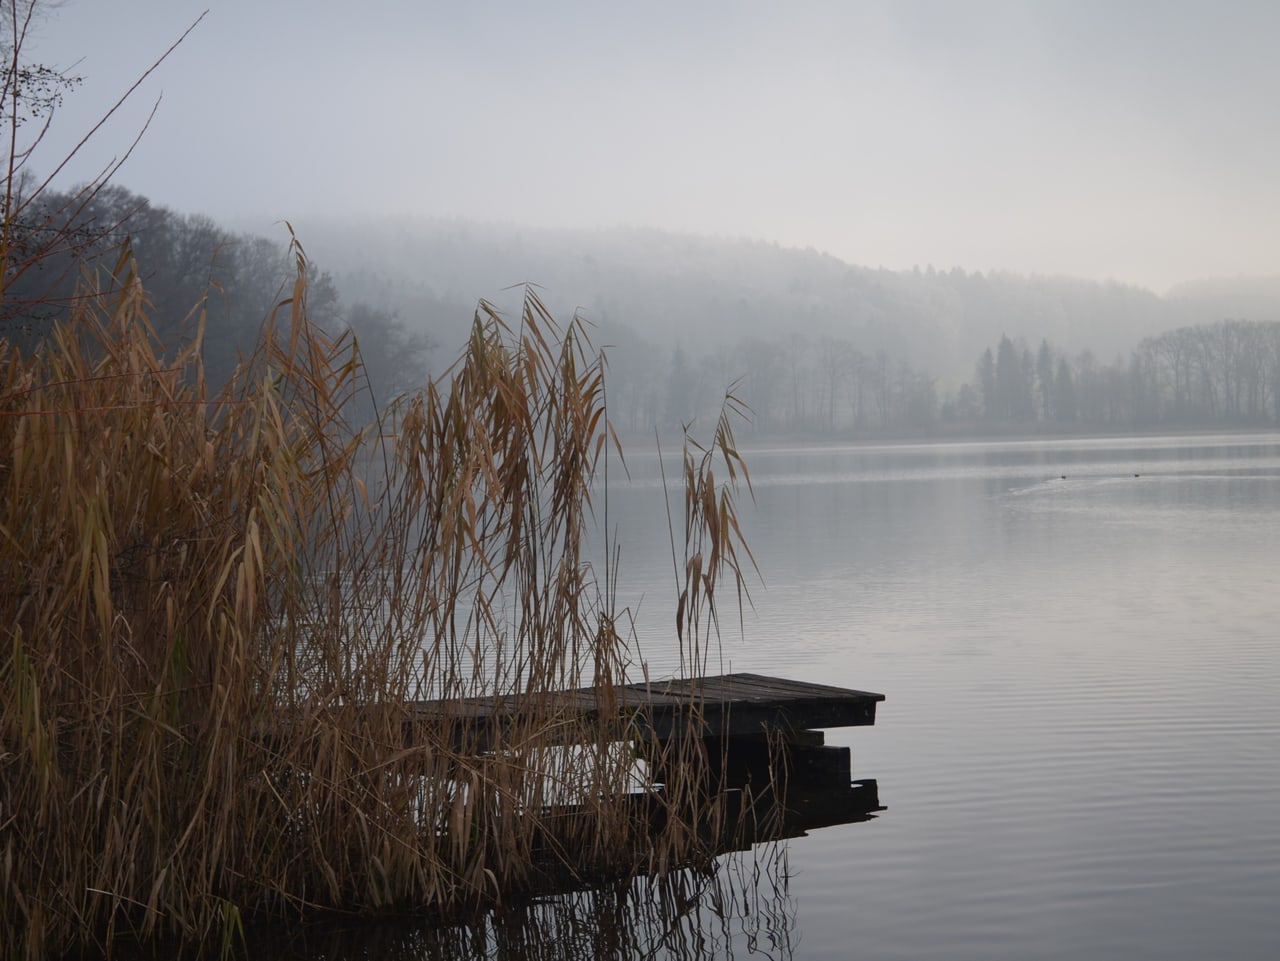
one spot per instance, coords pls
(1080, 749)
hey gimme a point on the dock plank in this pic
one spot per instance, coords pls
(731, 705)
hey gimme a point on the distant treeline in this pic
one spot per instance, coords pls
(1221, 374)
(193, 270)
(854, 355)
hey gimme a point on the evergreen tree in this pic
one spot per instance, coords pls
(1064, 394)
(1044, 380)
(986, 377)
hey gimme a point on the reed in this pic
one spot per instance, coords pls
(217, 610)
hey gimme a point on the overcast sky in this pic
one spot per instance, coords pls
(1138, 141)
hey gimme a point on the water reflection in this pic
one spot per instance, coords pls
(738, 904)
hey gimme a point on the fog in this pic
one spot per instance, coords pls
(993, 285)
(1134, 141)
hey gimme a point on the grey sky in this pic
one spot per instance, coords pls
(1131, 140)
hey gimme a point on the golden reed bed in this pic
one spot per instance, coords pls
(182, 569)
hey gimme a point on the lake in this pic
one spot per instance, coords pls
(1080, 747)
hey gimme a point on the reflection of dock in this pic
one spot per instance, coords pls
(743, 719)
(701, 911)
(800, 810)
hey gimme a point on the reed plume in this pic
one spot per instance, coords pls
(245, 642)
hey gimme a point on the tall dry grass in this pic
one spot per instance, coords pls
(218, 612)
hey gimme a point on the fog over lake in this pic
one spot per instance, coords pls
(994, 285)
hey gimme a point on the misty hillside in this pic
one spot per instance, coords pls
(1252, 298)
(811, 345)
(699, 293)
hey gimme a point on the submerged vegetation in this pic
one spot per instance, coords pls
(218, 608)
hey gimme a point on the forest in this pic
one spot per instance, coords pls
(201, 280)
(1224, 374)
(815, 348)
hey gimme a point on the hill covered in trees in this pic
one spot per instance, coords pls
(817, 347)
(198, 275)
(696, 293)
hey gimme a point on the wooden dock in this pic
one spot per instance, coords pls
(740, 717)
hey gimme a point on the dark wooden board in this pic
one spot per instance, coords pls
(732, 705)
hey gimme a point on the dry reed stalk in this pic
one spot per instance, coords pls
(219, 612)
